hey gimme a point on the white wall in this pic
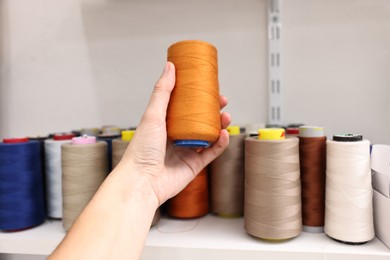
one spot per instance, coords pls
(112, 52)
(336, 66)
(84, 63)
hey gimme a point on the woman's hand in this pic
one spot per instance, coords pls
(167, 168)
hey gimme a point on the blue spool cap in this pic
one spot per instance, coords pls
(192, 143)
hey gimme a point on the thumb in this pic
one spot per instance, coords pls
(161, 94)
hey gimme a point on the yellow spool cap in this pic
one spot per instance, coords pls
(127, 135)
(271, 134)
(233, 129)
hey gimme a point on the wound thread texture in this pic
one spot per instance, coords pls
(272, 188)
(84, 168)
(348, 204)
(21, 187)
(312, 154)
(118, 149)
(227, 179)
(54, 177)
(193, 200)
(194, 109)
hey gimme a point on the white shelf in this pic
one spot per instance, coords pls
(210, 237)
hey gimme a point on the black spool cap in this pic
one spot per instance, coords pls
(348, 137)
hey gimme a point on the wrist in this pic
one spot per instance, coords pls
(134, 186)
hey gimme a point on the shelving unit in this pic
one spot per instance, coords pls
(210, 237)
(317, 75)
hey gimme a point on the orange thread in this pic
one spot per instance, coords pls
(193, 200)
(194, 109)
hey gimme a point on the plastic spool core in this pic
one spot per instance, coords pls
(192, 143)
(292, 131)
(233, 130)
(348, 137)
(85, 139)
(127, 135)
(311, 131)
(60, 137)
(272, 134)
(15, 140)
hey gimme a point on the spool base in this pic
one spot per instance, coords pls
(349, 243)
(20, 229)
(222, 215)
(273, 240)
(192, 143)
(310, 229)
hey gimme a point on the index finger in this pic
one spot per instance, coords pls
(223, 101)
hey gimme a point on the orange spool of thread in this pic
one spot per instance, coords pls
(193, 200)
(193, 117)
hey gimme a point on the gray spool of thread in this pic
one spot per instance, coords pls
(54, 176)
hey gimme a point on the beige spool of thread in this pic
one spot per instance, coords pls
(227, 177)
(348, 203)
(272, 207)
(119, 147)
(84, 168)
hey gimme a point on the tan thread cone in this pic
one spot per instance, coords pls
(84, 168)
(227, 179)
(118, 149)
(272, 188)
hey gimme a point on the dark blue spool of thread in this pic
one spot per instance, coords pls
(108, 139)
(41, 140)
(21, 189)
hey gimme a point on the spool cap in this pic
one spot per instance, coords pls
(15, 140)
(292, 131)
(295, 125)
(348, 137)
(63, 136)
(90, 131)
(233, 130)
(85, 139)
(127, 135)
(111, 129)
(311, 131)
(271, 134)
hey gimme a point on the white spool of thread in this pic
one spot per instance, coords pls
(348, 203)
(54, 174)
